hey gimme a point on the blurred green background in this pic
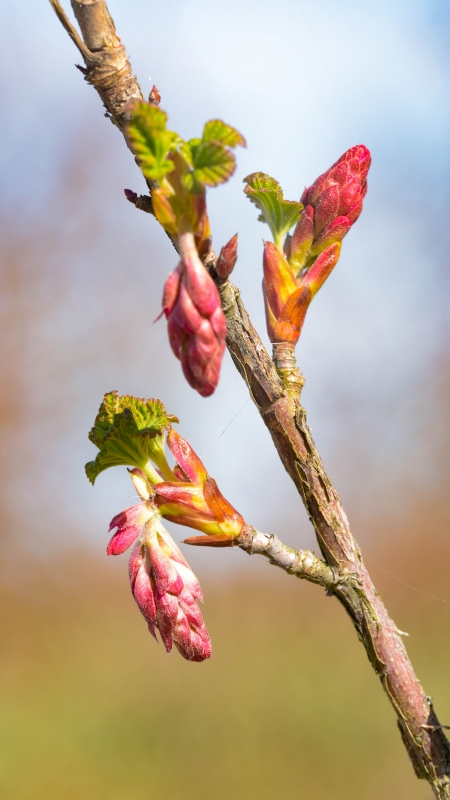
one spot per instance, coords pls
(288, 706)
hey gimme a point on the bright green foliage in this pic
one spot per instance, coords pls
(183, 169)
(151, 141)
(212, 163)
(210, 159)
(218, 131)
(266, 193)
(130, 431)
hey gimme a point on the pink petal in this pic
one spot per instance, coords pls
(122, 540)
(171, 289)
(129, 524)
(164, 572)
(186, 457)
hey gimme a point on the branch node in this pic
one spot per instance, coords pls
(286, 366)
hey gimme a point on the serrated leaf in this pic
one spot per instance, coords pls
(186, 151)
(130, 431)
(213, 163)
(279, 214)
(150, 140)
(218, 131)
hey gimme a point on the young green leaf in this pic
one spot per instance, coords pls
(213, 164)
(218, 131)
(130, 431)
(280, 215)
(150, 140)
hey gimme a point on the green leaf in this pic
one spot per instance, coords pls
(213, 164)
(218, 131)
(130, 431)
(150, 141)
(280, 215)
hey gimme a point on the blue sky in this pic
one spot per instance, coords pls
(303, 82)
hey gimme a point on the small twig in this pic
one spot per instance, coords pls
(301, 563)
(67, 25)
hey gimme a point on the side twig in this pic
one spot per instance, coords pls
(301, 563)
(342, 572)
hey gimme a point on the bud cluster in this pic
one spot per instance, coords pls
(130, 430)
(165, 589)
(196, 323)
(292, 277)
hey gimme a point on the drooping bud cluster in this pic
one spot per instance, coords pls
(162, 582)
(131, 431)
(163, 585)
(294, 273)
(196, 323)
(166, 589)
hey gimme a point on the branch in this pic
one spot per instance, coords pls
(109, 71)
(301, 563)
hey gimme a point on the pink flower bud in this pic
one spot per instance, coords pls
(227, 258)
(334, 232)
(341, 189)
(165, 589)
(197, 326)
(129, 524)
(171, 290)
(196, 501)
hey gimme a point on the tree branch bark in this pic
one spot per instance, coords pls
(301, 563)
(342, 572)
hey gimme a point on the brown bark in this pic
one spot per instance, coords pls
(342, 572)
(427, 745)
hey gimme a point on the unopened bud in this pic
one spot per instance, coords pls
(334, 232)
(227, 258)
(130, 195)
(196, 323)
(154, 97)
(195, 501)
(291, 279)
(141, 483)
(166, 589)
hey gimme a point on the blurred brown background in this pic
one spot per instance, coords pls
(288, 705)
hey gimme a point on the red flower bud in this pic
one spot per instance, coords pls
(334, 232)
(227, 258)
(129, 524)
(163, 584)
(197, 326)
(347, 180)
(165, 589)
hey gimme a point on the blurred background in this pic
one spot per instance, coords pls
(288, 706)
